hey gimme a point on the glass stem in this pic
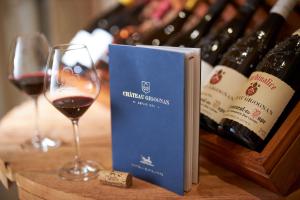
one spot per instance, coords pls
(76, 140)
(37, 128)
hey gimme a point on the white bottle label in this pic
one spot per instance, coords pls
(297, 32)
(219, 91)
(206, 69)
(260, 102)
(284, 7)
(97, 42)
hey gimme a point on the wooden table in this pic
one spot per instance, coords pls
(36, 173)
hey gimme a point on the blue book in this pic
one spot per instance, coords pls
(155, 113)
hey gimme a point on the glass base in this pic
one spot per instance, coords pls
(82, 170)
(43, 144)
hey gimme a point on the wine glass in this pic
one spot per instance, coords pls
(27, 64)
(71, 86)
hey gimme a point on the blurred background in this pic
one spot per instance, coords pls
(59, 20)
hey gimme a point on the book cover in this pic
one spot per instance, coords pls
(147, 105)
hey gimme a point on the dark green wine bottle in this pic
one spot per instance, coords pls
(193, 36)
(214, 45)
(160, 36)
(267, 97)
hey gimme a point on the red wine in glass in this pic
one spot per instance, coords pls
(73, 107)
(31, 83)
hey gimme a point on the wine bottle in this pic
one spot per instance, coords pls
(132, 34)
(193, 36)
(265, 96)
(105, 21)
(238, 63)
(127, 12)
(213, 46)
(160, 36)
(97, 37)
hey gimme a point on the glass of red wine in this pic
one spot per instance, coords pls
(71, 86)
(27, 64)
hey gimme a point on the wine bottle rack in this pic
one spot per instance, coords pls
(277, 167)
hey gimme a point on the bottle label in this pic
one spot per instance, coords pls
(206, 69)
(284, 7)
(260, 102)
(219, 91)
(96, 42)
(297, 32)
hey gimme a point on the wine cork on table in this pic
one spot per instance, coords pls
(115, 178)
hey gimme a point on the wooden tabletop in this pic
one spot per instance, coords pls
(36, 173)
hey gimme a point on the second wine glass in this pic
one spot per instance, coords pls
(71, 86)
(28, 60)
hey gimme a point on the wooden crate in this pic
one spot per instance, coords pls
(277, 167)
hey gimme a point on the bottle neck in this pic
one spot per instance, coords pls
(183, 14)
(213, 12)
(283, 60)
(224, 38)
(260, 41)
(187, 11)
(247, 10)
(180, 19)
(272, 24)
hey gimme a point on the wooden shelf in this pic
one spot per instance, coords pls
(276, 167)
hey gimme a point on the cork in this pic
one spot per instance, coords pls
(115, 178)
